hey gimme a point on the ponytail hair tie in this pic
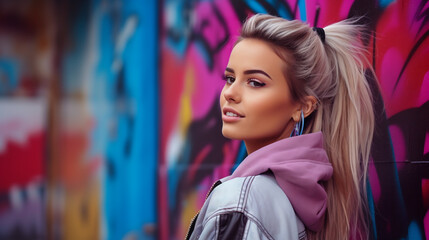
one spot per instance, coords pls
(320, 32)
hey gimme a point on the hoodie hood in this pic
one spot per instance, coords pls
(299, 164)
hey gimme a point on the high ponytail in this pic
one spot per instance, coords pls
(333, 71)
(349, 131)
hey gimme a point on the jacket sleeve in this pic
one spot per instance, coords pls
(232, 226)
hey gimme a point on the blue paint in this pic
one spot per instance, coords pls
(72, 63)
(242, 153)
(204, 53)
(182, 29)
(126, 132)
(9, 75)
(371, 209)
(256, 7)
(140, 59)
(302, 10)
(284, 13)
(281, 9)
(385, 3)
(396, 182)
(175, 172)
(414, 232)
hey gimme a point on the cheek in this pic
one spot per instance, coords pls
(271, 105)
(272, 114)
(221, 99)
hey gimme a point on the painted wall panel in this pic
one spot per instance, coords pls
(116, 105)
(25, 58)
(197, 37)
(78, 119)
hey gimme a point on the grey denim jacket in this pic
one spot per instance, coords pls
(252, 207)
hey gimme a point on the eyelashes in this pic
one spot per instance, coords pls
(228, 79)
(251, 81)
(256, 84)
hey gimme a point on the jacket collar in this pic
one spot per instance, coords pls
(299, 165)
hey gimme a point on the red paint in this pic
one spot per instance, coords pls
(22, 163)
(425, 193)
(397, 19)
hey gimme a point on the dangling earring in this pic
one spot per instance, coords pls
(299, 126)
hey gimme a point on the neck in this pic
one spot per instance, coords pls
(255, 144)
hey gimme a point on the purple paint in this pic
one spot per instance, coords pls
(424, 90)
(398, 143)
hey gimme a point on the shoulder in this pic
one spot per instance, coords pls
(243, 192)
(249, 192)
(259, 199)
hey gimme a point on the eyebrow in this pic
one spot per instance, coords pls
(251, 71)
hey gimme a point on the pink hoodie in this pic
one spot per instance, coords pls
(298, 164)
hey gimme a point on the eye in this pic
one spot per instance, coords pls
(229, 79)
(255, 83)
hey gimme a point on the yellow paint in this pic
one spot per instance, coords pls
(82, 213)
(189, 212)
(185, 105)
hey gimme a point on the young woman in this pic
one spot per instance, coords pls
(298, 98)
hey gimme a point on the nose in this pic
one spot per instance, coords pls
(232, 93)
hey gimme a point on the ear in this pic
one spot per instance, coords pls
(296, 114)
(309, 105)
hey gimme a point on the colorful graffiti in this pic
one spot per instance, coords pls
(196, 41)
(78, 119)
(113, 52)
(102, 136)
(25, 56)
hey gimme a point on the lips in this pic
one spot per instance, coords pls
(229, 112)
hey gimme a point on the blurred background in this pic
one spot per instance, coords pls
(110, 123)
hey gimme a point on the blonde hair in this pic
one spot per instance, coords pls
(333, 71)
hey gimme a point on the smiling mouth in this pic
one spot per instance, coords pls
(231, 114)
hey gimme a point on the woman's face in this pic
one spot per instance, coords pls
(256, 103)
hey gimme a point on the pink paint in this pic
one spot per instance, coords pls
(330, 11)
(398, 142)
(374, 181)
(390, 68)
(425, 193)
(209, 84)
(194, 167)
(396, 17)
(204, 188)
(425, 7)
(345, 8)
(424, 90)
(163, 202)
(230, 150)
(212, 31)
(205, 87)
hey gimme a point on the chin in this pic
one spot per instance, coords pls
(230, 134)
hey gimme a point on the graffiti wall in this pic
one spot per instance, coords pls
(196, 39)
(78, 119)
(110, 125)
(109, 120)
(25, 72)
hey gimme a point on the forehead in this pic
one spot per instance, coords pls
(252, 53)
